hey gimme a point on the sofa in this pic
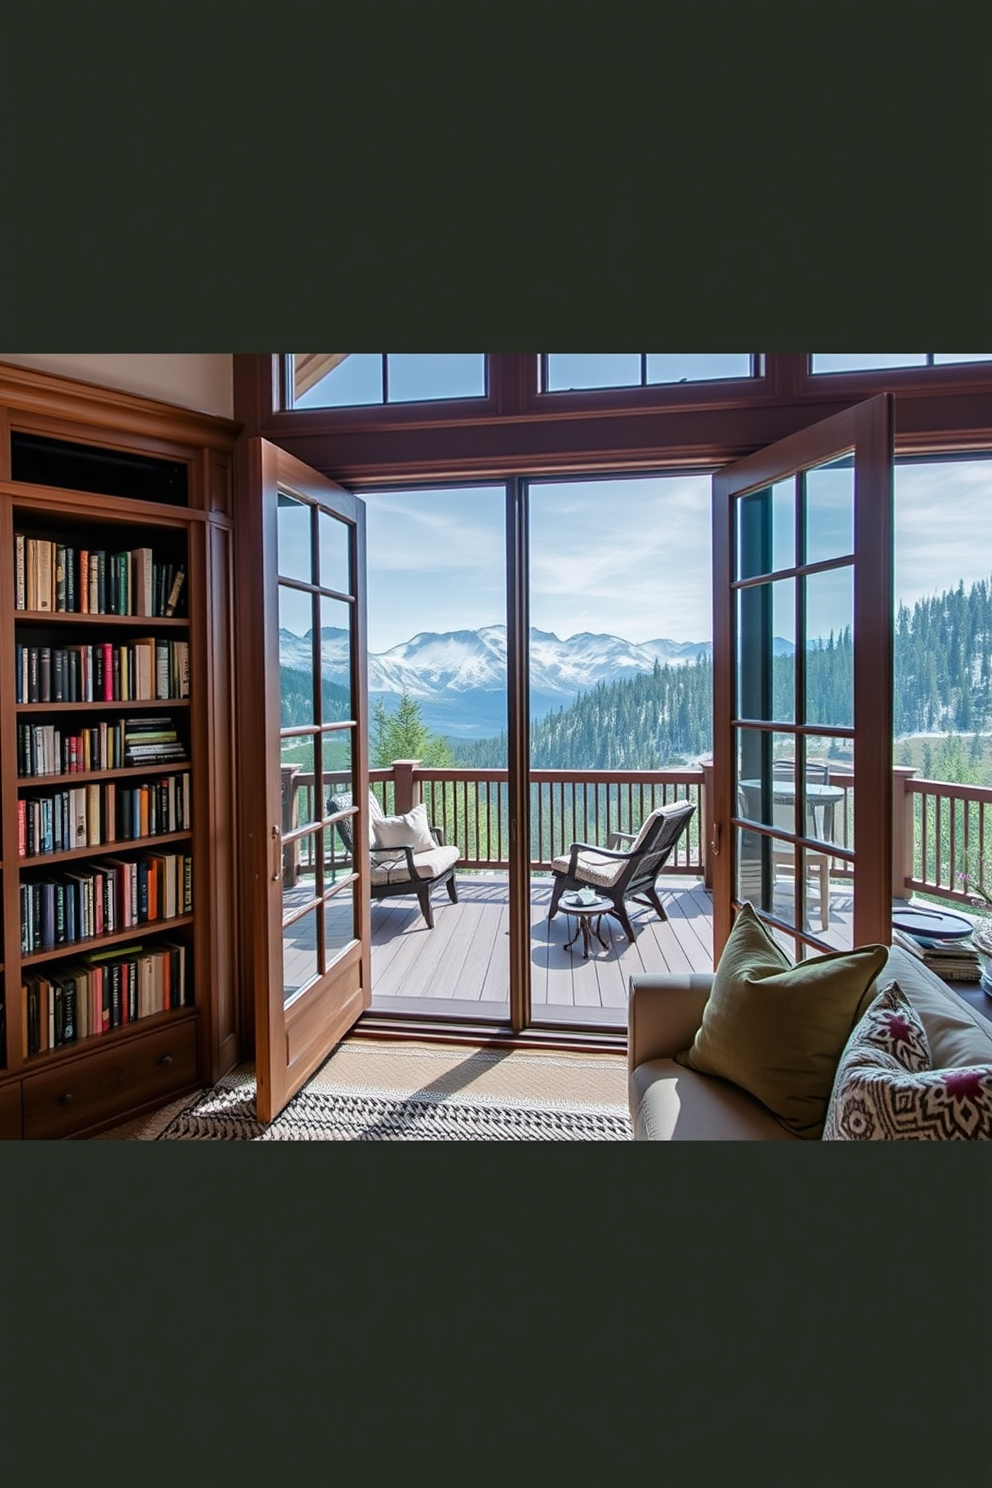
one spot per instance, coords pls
(672, 1103)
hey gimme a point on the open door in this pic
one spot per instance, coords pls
(802, 725)
(305, 739)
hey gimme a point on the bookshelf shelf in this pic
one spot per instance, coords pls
(112, 505)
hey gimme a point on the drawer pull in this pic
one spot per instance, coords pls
(166, 1060)
(66, 1098)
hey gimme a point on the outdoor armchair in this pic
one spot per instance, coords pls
(620, 872)
(408, 854)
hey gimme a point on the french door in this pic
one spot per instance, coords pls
(306, 768)
(802, 643)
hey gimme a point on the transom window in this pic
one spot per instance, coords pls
(352, 379)
(569, 372)
(867, 361)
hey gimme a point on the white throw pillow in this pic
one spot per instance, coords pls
(412, 828)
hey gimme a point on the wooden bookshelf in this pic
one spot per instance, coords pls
(144, 490)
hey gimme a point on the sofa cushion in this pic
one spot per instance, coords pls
(778, 1029)
(885, 1088)
(671, 1104)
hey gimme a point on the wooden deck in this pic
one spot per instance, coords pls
(464, 960)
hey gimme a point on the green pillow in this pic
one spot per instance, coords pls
(777, 1029)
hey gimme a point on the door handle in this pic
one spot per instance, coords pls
(276, 854)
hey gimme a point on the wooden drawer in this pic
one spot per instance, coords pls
(10, 1112)
(110, 1083)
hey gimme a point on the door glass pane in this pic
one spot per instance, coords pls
(299, 954)
(339, 921)
(830, 647)
(336, 753)
(335, 659)
(295, 658)
(830, 510)
(294, 539)
(766, 530)
(337, 858)
(335, 550)
(766, 665)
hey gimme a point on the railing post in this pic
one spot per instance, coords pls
(706, 823)
(903, 831)
(406, 785)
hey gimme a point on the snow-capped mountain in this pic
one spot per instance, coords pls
(459, 677)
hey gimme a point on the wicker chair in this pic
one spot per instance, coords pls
(622, 873)
(401, 868)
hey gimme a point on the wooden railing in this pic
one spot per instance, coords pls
(940, 829)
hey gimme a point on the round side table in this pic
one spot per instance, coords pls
(588, 916)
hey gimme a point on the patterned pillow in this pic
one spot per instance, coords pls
(885, 1089)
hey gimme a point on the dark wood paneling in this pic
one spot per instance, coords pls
(10, 1112)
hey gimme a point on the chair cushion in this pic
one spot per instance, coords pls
(390, 867)
(777, 1029)
(412, 829)
(592, 868)
(886, 1090)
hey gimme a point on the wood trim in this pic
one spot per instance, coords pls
(873, 669)
(108, 414)
(518, 749)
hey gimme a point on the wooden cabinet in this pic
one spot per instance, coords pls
(117, 761)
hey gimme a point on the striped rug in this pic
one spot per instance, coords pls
(371, 1091)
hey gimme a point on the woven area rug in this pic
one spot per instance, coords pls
(371, 1092)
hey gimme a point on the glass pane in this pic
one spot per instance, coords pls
(830, 510)
(335, 659)
(766, 665)
(293, 539)
(339, 922)
(350, 380)
(766, 530)
(942, 358)
(697, 368)
(438, 694)
(417, 378)
(567, 371)
(621, 691)
(863, 361)
(299, 954)
(299, 867)
(299, 801)
(335, 553)
(336, 750)
(296, 705)
(337, 857)
(830, 647)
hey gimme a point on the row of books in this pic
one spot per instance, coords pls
(47, 749)
(104, 992)
(58, 577)
(103, 898)
(95, 814)
(952, 960)
(138, 671)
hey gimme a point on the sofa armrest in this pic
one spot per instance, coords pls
(663, 1013)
